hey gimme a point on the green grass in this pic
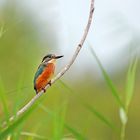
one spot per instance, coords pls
(89, 107)
(2, 31)
(31, 136)
(3, 99)
(130, 83)
(8, 130)
(58, 123)
(109, 82)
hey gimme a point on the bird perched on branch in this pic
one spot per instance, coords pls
(45, 72)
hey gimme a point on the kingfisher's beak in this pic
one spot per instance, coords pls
(57, 57)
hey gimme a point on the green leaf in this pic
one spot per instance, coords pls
(4, 100)
(2, 31)
(33, 135)
(109, 82)
(75, 133)
(65, 86)
(18, 97)
(59, 122)
(100, 116)
(16, 134)
(6, 131)
(130, 83)
(123, 116)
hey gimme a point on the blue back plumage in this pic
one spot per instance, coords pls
(39, 71)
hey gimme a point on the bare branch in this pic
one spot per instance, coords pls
(63, 71)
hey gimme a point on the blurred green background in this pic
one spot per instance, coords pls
(78, 105)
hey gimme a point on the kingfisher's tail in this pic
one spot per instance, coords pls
(35, 90)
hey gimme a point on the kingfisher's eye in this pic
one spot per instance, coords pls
(50, 56)
(53, 56)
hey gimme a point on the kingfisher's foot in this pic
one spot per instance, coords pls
(50, 83)
(44, 90)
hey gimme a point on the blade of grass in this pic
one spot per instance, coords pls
(66, 86)
(109, 82)
(75, 133)
(59, 123)
(2, 31)
(100, 116)
(34, 135)
(14, 125)
(14, 91)
(4, 101)
(18, 98)
(9, 129)
(130, 83)
(16, 134)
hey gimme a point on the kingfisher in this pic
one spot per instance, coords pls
(45, 72)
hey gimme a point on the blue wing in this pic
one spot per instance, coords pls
(39, 71)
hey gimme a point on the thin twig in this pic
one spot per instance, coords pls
(62, 72)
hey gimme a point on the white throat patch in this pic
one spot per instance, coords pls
(52, 61)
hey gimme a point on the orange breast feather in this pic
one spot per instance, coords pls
(45, 77)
